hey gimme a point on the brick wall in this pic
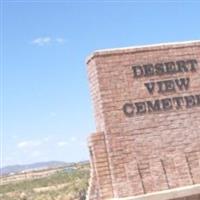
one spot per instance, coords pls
(149, 152)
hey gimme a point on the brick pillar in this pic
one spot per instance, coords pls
(100, 186)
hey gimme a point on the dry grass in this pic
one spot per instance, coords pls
(62, 185)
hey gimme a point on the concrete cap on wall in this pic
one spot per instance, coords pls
(142, 48)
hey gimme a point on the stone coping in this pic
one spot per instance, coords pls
(167, 194)
(139, 48)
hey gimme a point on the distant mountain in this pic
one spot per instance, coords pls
(35, 166)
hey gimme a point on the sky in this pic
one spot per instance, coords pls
(46, 109)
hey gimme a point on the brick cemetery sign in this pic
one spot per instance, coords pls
(147, 110)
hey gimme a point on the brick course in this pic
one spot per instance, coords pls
(144, 153)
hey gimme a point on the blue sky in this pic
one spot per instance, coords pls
(47, 110)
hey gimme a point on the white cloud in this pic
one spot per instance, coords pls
(60, 40)
(62, 143)
(69, 142)
(44, 41)
(73, 139)
(41, 41)
(27, 144)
